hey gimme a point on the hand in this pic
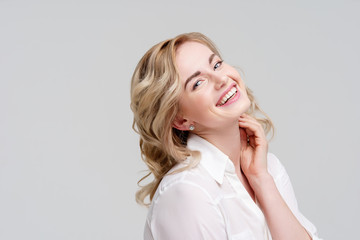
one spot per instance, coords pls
(254, 148)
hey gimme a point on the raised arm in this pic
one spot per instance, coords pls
(281, 221)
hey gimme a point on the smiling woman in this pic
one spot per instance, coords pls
(208, 153)
(213, 97)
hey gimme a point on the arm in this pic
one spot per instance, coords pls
(281, 221)
(283, 184)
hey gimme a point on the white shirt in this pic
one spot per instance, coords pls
(210, 202)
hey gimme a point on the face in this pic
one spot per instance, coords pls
(214, 94)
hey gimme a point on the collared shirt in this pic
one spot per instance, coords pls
(210, 202)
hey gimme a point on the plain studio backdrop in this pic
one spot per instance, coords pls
(69, 160)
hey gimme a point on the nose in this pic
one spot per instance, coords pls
(220, 81)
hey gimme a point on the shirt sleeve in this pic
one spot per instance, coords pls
(286, 190)
(186, 211)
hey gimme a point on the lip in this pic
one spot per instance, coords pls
(235, 98)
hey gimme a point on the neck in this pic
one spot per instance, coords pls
(227, 140)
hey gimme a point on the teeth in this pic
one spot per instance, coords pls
(227, 96)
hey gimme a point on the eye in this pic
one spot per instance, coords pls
(218, 64)
(197, 83)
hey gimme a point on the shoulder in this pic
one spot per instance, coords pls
(183, 204)
(185, 210)
(181, 196)
(184, 184)
(186, 189)
(185, 194)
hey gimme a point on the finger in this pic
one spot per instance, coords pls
(248, 131)
(245, 126)
(243, 137)
(253, 128)
(252, 141)
(248, 118)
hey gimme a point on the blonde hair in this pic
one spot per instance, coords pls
(155, 93)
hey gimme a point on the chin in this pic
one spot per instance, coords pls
(248, 104)
(245, 107)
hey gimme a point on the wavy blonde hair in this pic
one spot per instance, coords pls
(155, 94)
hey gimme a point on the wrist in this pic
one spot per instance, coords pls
(260, 181)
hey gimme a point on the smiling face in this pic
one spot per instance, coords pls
(214, 94)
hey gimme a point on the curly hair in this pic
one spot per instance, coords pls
(155, 94)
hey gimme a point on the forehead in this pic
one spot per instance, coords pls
(190, 56)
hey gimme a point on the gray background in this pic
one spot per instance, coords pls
(69, 160)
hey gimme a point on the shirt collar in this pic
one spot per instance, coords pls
(212, 159)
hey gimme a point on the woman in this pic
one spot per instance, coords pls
(208, 153)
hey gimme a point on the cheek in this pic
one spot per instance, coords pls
(247, 103)
(194, 107)
(235, 75)
(242, 85)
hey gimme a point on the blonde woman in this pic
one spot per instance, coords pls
(205, 145)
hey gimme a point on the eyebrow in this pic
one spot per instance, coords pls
(211, 58)
(197, 73)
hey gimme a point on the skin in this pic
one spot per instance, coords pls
(228, 128)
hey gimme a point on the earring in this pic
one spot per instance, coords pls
(191, 127)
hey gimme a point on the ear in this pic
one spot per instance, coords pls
(181, 124)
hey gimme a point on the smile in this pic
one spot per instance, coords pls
(228, 97)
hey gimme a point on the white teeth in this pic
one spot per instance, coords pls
(227, 96)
